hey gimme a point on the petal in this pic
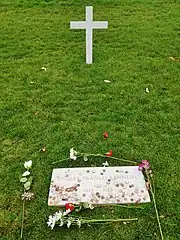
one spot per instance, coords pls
(25, 174)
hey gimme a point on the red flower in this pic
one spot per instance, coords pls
(105, 134)
(69, 206)
(109, 154)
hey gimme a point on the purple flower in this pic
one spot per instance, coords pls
(141, 166)
(144, 165)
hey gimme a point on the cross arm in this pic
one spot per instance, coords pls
(78, 25)
(100, 25)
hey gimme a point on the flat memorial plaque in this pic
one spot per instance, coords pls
(99, 185)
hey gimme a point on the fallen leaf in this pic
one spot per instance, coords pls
(43, 68)
(43, 149)
(147, 90)
(172, 58)
(107, 81)
(105, 134)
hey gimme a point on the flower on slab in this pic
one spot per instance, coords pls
(109, 154)
(28, 164)
(73, 154)
(105, 164)
(25, 174)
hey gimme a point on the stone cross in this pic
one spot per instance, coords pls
(89, 25)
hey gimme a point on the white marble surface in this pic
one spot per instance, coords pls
(99, 185)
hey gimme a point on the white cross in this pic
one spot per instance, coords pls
(89, 25)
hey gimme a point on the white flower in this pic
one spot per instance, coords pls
(52, 221)
(28, 164)
(79, 223)
(61, 222)
(25, 174)
(91, 206)
(69, 222)
(85, 158)
(106, 164)
(66, 212)
(27, 196)
(58, 216)
(73, 154)
(147, 90)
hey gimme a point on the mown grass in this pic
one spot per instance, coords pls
(69, 105)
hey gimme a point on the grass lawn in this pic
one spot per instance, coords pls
(70, 105)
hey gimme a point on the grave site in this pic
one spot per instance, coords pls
(89, 119)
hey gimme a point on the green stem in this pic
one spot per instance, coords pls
(109, 220)
(22, 223)
(155, 206)
(104, 156)
(124, 206)
(97, 155)
(157, 215)
(61, 161)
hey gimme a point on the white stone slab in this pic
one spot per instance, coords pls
(99, 185)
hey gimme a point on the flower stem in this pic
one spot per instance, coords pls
(61, 161)
(124, 206)
(155, 205)
(157, 214)
(22, 223)
(109, 220)
(104, 156)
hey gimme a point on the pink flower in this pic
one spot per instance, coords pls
(141, 166)
(144, 165)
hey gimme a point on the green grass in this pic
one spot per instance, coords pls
(74, 107)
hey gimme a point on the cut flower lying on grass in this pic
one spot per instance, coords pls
(74, 155)
(26, 179)
(144, 166)
(61, 218)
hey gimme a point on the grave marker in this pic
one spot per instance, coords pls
(99, 185)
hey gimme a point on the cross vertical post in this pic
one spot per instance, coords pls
(89, 34)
